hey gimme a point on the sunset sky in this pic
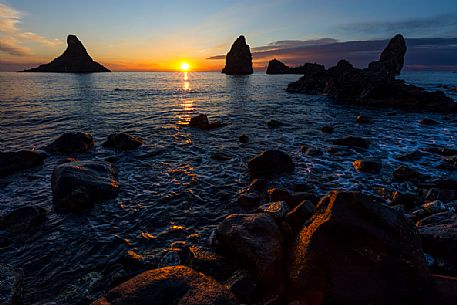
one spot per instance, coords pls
(159, 35)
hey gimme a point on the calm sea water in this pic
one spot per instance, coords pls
(171, 188)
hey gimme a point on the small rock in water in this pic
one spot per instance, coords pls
(23, 219)
(12, 162)
(352, 141)
(412, 156)
(274, 124)
(403, 173)
(122, 141)
(201, 121)
(428, 122)
(442, 151)
(311, 151)
(362, 119)
(368, 166)
(72, 142)
(243, 138)
(327, 129)
(10, 285)
(270, 162)
(220, 156)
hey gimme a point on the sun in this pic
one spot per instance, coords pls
(185, 66)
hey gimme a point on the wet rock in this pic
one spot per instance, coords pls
(72, 142)
(412, 156)
(300, 214)
(275, 124)
(134, 263)
(311, 151)
(441, 194)
(434, 207)
(221, 156)
(178, 254)
(201, 121)
(12, 162)
(23, 219)
(11, 285)
(352, 141)
(169, 285)
(408, 200)
(256, 241)
(442, 151)
(217, 266)
(239, 59)
(243, 286)
(404, 173)
(278, 209)
(243, 138)
(297, 197)
(428, 122)
(355, 251)
(443, 291)
(327, 129)
(277, 194)
(270, 162)
(122, 141)
(75, 59)
(76, 186)
(258, 184)
(367, 166)
(249, 199)
(362, 119)
(339, 150)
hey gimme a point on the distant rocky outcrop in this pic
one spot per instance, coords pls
(277, 67)
(374, 86)
(75, 59)
(239, 59)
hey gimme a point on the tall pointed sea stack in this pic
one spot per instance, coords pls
(239, 59)
(392, 58)
(75, 59)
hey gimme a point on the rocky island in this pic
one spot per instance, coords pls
(75, 59)
(239, 59)
(375, 86)
(277, 67)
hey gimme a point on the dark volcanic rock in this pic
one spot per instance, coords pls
(277, 67)
(367, 166)
(75, 59)
(23, 219)
(403, 173)
(122, 141)
(76, 186)
(375, 86)
(274, 123)
(201, 121)
(428, 122)
(356, 251)
(170, 285)
(239, 59)
(270, 162)
(12, 162)
(327, 129)
(243, 138)
(72, 142)
(254, 239)
(10, 285)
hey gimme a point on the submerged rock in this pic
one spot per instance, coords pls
(368, 166)
(243, 138)
(12, 162)
(72, 142)
(122, 141)
(10, 285)
(239, 59)
(375, 86)
(75, 59)
(352, 141)
(23, 219)
(403, 173)
(201, 121)
(169, 285)
(76, 186)
(356, 251)
(270, 162)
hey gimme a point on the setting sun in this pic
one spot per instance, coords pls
(185, 66)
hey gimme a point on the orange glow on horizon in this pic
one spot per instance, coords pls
(185, 66)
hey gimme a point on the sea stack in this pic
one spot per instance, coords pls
(239, 59)
(277, 67)
(75, 59)
(392, 58)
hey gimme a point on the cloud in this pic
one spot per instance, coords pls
(12, 37)
(422, 52)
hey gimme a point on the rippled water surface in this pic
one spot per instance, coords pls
(171, 188)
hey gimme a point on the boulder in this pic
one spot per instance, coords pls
(356, 251)
(278, 209)
(75, 59)
(352, 141)
(239, 59)
(72, 142)
(368, 166)
(178, 285)
(256, 241)
(10, 285)
(23, 219)
(76, 186)
(122, 141)
(407, 200)
(249, 199)
(201, 122)
(311, 151)
(243, 286)
(12, 162)
(270, 162)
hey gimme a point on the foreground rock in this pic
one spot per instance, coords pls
(77, 185)
(23, 219)
(368, 166)
(75, 59)
(10, 285)
(72, 142)
(201, 121)
(356, 251)
(239, 59)
(255, 239)
(270, 162)
(122, 141)
(277, 67)
(12, 162)
(375, 86)
(170, 285)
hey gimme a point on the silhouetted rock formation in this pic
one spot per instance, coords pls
(75, 59)
(239, 59)
(375, 86)
(277, 67)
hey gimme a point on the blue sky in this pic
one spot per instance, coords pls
(157, 35)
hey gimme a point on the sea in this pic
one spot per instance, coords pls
(173, 188)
